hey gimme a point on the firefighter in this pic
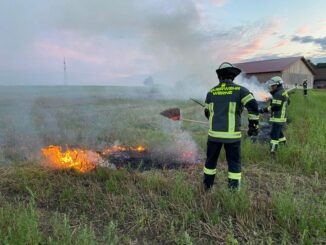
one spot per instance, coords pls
(278, 110)
(223, 107)
(305, 88)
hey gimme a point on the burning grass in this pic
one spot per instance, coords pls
(78, 159)
(117, 156)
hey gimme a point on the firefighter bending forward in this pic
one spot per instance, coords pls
(223, 107)
(278, 110)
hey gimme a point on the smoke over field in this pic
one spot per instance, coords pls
(92, 118)
(97, 118)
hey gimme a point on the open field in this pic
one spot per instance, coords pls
(283, 200)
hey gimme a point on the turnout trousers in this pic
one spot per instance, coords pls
(232, 151)
(277, 136)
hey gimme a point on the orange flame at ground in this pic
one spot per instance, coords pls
(263, 96)
(118, 148)
(79, 159)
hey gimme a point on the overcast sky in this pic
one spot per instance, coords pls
(124, 41)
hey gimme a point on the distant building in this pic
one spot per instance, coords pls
(320, 78)
(293, 70)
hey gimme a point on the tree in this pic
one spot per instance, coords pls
(321, 65)
(149, 81)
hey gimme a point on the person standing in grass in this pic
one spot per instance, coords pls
(223, 106)
(278, 109)
(305, 88)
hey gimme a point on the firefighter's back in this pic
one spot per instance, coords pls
(225, 103)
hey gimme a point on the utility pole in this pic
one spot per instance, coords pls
(65, 82)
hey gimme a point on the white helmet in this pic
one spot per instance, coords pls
(273, 81)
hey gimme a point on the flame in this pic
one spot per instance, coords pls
(118, 148)
(188, 156)
(78, 159)
(263, 96)
(140, 148)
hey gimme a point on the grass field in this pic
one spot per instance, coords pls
(283, 199)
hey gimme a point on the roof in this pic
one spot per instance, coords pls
(320, 73)
(275, 65)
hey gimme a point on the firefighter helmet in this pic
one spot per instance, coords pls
(274, 81)
(227, 70)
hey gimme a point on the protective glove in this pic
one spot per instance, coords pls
(263, 110)
(253, 128)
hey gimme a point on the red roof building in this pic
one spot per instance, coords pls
(293, 70)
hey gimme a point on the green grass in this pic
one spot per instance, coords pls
(65, 207)
(305, 152)
(282, 201)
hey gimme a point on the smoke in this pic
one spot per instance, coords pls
(108, 41)
(90, 118)
(254, 86)
(185, 89)
(166, 39)
(169, 31)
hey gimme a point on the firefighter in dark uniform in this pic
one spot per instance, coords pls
(278, 110)
(305, 88)
(223, 106)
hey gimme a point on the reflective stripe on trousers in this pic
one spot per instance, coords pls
(234, 176)
(209, 171)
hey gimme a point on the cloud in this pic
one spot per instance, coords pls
(251, 39)
(57, 51)
(281, 44)
(310, 39)
(21, 22)
(219, 3)
(303, 30)
(266, 56)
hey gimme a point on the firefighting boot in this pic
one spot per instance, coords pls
(273, 146)
(208, 181)
(234, 184)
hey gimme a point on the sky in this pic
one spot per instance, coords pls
(107, 42)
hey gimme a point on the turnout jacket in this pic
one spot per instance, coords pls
(224, 104)
(279, 105)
